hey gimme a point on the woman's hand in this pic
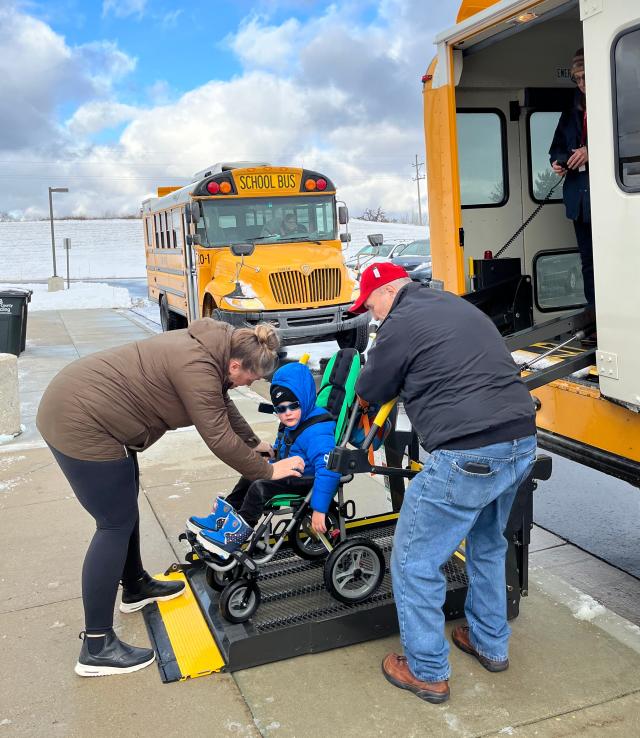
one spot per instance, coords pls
(265, 448)
(557, 168)
(291, 467)
(578, 159)
(318, 522)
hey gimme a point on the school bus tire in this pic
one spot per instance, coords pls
(356, 338)
(169, 320)
(209, 309)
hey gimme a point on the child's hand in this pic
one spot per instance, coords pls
(318, 522)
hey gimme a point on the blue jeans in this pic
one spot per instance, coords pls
(443, 505)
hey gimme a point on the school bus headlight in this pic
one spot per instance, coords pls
(242, 303)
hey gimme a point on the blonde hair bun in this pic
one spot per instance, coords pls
(267, 336)
(257, 348)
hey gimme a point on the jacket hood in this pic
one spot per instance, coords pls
(215, 338)
(297, 378)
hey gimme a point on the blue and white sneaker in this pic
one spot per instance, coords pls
(214, 521)
(228, 539)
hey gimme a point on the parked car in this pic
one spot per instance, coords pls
(368, 254)
(415, 257)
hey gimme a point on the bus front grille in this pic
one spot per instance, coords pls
(295, 288)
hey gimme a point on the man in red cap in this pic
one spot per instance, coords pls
(474, 417)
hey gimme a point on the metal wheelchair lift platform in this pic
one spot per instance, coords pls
(297, 615)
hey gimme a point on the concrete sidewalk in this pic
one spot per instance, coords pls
(575, 664)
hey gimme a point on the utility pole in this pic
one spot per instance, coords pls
(417, 179)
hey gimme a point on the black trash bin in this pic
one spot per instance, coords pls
(13, 320)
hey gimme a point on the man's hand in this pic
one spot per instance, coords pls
(557, 168)
(578, 159)
(265, 448)
(318, 522)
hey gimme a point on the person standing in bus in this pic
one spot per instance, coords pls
(101, 410)
(569, 156)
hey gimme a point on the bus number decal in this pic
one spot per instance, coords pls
(204, 259)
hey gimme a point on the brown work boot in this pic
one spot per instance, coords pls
(396, 670)
(460, 636)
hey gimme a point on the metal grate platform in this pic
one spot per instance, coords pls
(299, 616)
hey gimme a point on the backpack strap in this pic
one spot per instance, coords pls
(290, 438)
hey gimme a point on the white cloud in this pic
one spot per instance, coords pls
(259, 45)
(97, 115)
(328, 93)
(124, 8)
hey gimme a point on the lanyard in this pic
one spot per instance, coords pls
(583, 137)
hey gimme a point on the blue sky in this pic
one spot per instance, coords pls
(123, 95)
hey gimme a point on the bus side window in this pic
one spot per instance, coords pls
(626, 52)
(149, 231)
(156, 225)
(482, 158)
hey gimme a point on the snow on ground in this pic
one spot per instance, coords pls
(103, 249)
(99, 249)
(82, 295)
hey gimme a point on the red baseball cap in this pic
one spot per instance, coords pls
(374, 276)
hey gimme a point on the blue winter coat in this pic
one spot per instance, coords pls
(568, 136)
(316, 441)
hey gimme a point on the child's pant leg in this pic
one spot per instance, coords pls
(262, 490)
(235, 498)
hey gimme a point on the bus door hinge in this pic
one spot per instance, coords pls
(461, 237)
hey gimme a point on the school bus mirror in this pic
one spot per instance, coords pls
(193, 211)
(343, 215)
(193, 240)
(242, 249)
(345, 237)
(376, 240)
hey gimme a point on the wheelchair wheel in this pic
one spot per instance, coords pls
(301, 537)
(354, 570)
(239, 600)
(218, 580)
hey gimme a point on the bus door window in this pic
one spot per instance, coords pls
(542, 126)
(481, 149)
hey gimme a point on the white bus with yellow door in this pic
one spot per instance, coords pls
(492, 99)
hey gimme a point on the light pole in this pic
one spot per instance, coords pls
(53, 241)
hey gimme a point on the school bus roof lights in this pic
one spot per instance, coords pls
(315, 184)
(219, 187)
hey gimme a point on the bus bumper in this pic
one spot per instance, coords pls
(300, 326)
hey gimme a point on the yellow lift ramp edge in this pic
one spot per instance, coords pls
(184, 645)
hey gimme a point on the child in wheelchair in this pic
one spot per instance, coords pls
(305, 430)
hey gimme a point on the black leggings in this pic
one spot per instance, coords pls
(249, 498)
(108, 491)
(585, 246)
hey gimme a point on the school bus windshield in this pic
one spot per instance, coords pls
(267, 220)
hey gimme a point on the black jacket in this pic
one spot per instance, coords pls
(568, 136)
(450, 366)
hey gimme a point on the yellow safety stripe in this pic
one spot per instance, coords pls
(193, 645)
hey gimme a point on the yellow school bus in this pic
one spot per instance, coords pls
(247, 243)
(492, 98)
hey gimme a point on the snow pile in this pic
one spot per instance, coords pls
(82, 295)
(586, 608)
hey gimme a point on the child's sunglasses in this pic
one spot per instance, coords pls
(280, 409)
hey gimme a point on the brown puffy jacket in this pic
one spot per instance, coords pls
(131, 395)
